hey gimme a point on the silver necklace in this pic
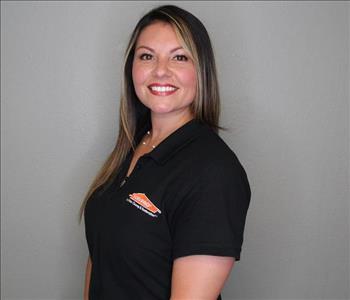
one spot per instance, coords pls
(144, 143)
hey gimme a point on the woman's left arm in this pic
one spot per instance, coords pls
(199, 277)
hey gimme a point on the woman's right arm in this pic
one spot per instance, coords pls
(87, 278)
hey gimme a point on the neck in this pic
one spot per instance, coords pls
(163, 125)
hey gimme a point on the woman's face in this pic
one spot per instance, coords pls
(163, 74)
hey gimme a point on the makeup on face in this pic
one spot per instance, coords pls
(164, 75)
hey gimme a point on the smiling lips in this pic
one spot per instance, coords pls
(162, 89)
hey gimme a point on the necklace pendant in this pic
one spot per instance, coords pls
(144, 143)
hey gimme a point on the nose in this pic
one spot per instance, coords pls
(161, 68)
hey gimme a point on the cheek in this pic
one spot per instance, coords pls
(139, 75)
(189, 79)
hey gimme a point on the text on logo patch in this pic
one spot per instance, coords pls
(142, 202)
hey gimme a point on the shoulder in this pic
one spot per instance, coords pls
(213, 153)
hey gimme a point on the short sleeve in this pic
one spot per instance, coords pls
(211, 218)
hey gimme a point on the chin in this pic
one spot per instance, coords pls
(158, 107)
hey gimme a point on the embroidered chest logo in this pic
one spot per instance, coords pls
(142, 202)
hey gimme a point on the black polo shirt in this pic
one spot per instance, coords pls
(190, 195)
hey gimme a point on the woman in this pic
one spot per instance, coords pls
(164, 217)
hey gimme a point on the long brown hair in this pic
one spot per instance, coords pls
(133, 115)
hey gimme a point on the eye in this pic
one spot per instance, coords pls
(145, 54)
(182, 57)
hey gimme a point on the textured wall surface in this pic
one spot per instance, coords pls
(284, 77)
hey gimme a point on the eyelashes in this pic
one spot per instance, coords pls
(142, 56)
(183, 57)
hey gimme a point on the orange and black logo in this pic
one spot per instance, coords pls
(142, 202)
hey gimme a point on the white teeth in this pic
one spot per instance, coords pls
(162, 88)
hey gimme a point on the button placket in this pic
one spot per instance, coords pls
(137, 167)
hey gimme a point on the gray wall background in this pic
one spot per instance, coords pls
(284, 77)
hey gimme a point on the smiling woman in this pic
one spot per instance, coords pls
(165, 216)
(163, 76)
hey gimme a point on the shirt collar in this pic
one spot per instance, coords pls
(175, 141)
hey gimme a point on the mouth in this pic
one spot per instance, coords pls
(162, 89)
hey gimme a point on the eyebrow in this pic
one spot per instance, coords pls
(152, 50)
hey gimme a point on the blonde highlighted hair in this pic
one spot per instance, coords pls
(133, 115)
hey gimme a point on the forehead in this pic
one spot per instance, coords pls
(159, 34)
